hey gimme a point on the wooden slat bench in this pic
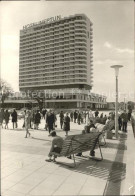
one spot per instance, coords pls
(74, 144)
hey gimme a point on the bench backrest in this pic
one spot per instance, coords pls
(79, 143)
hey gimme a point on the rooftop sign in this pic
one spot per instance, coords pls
(48, 20)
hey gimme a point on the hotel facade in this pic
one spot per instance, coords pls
(56, 54)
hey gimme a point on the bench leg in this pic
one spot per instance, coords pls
(74, 160)
(100, 151)
(95, 158)
(104, 141)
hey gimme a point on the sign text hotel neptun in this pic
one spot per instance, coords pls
(48, 20)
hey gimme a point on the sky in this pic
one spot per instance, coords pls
(113, 39)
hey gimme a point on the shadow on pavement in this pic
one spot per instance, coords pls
(98, 169)
(118, 170)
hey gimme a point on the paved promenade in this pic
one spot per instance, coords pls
(25, 172)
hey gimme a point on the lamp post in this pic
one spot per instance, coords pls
(116, 67)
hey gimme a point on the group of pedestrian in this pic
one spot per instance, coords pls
(32, 119)
(5, 117)
(64, 121)
(82, 117)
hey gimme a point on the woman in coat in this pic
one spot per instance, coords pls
(1, 117)
(14, 118)
(6, 118)
(61, 119)
(37, 119)
(66, 124)
(27, 123)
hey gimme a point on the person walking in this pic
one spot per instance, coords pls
(89, 117)
(101, 118)
(129, 114)
(124, 117)
(61, 119)
(85, 115)
(71, 116)
(1, 117)
(96, 113)
(37, 119)
(75, 116)
(44, 113)
(66, 127)
(120, 122)
(32, 119)
(27, 123)
(79, 117)
(55, 120)
(104, 119)
(24, 113)
(14, 118)
(133, 121)
(82, 117)
(6, 118)
(50, 121)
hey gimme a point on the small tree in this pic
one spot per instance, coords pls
(5, 91)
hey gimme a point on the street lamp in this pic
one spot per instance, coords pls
(116, 67)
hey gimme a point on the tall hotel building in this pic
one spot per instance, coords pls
(57, 54)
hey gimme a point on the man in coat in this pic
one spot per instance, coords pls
(75, 116)
(50, 121)
(14, 118)
(61, 119)
(66, 124)
(124, 117)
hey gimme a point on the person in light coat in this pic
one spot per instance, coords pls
(27, 123)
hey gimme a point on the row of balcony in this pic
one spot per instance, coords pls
(51, 56)
(48, 73)
(43, 35)
(25, 34)
(61, 73)
(55, 47)
(60, 49)
(70, 52)
(42, 50)
(56, 41)
(57, 77)
(49, 62)
(59, 82)
(53, 69)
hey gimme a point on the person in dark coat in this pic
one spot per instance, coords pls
(37, 119)
(6, 118)
(50, 121)
(79, 118)
(55, 119)
(104, 120)
(129, 114)
(1, 117)
(124, 117)
(96, 113)
(120, 122)
(44, 113)
(66, 124)
(61, 119)
(14, 118)
(71, 116)
(75, 116)
(56, 147)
